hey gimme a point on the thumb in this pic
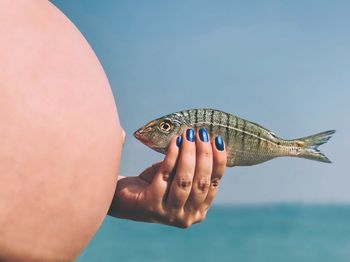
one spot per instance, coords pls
(148, 174)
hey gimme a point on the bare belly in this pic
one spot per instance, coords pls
(60, 135)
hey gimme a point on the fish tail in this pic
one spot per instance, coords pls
(310, 146)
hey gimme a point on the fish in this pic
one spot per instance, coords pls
(247, 143)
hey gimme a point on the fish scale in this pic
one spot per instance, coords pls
(247, 143)
(216, 123)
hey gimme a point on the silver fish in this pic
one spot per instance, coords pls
(247, 143)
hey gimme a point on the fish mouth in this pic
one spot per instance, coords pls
(139, 136)
(142, 133)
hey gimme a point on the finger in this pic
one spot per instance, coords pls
(180, 187)
(203, 171)
(219, 164)
(165, 168)
(157, 190)
(149, 173)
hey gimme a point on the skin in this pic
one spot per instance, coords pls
(60, 135)
(177, 191)
(61, 143)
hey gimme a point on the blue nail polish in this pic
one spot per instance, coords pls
(203, 135)
(190, 135)
(178, 141)
(219, 143)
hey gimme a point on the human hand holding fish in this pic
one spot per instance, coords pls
(179, 190)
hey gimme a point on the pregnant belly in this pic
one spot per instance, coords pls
(60, 135)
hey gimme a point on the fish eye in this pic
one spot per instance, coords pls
(165, 126)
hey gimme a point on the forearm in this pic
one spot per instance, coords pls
(113, 210)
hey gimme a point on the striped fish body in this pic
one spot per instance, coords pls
(247, 143)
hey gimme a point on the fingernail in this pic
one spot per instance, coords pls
(178, 141)
(190, 135)
(219, 143)
(203, 135)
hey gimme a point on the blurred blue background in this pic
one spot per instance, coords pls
(283, 64)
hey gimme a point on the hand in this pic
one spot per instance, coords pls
(177, 191)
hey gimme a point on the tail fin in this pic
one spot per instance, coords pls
(311, 144)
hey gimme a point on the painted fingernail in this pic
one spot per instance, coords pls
(190, 135)
(178, 141)
(203, 135)
(219, 143)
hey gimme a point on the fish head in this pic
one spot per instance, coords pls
(158, 133)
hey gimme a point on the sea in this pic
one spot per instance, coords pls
(252, 233)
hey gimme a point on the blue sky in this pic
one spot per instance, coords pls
(283, 64)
